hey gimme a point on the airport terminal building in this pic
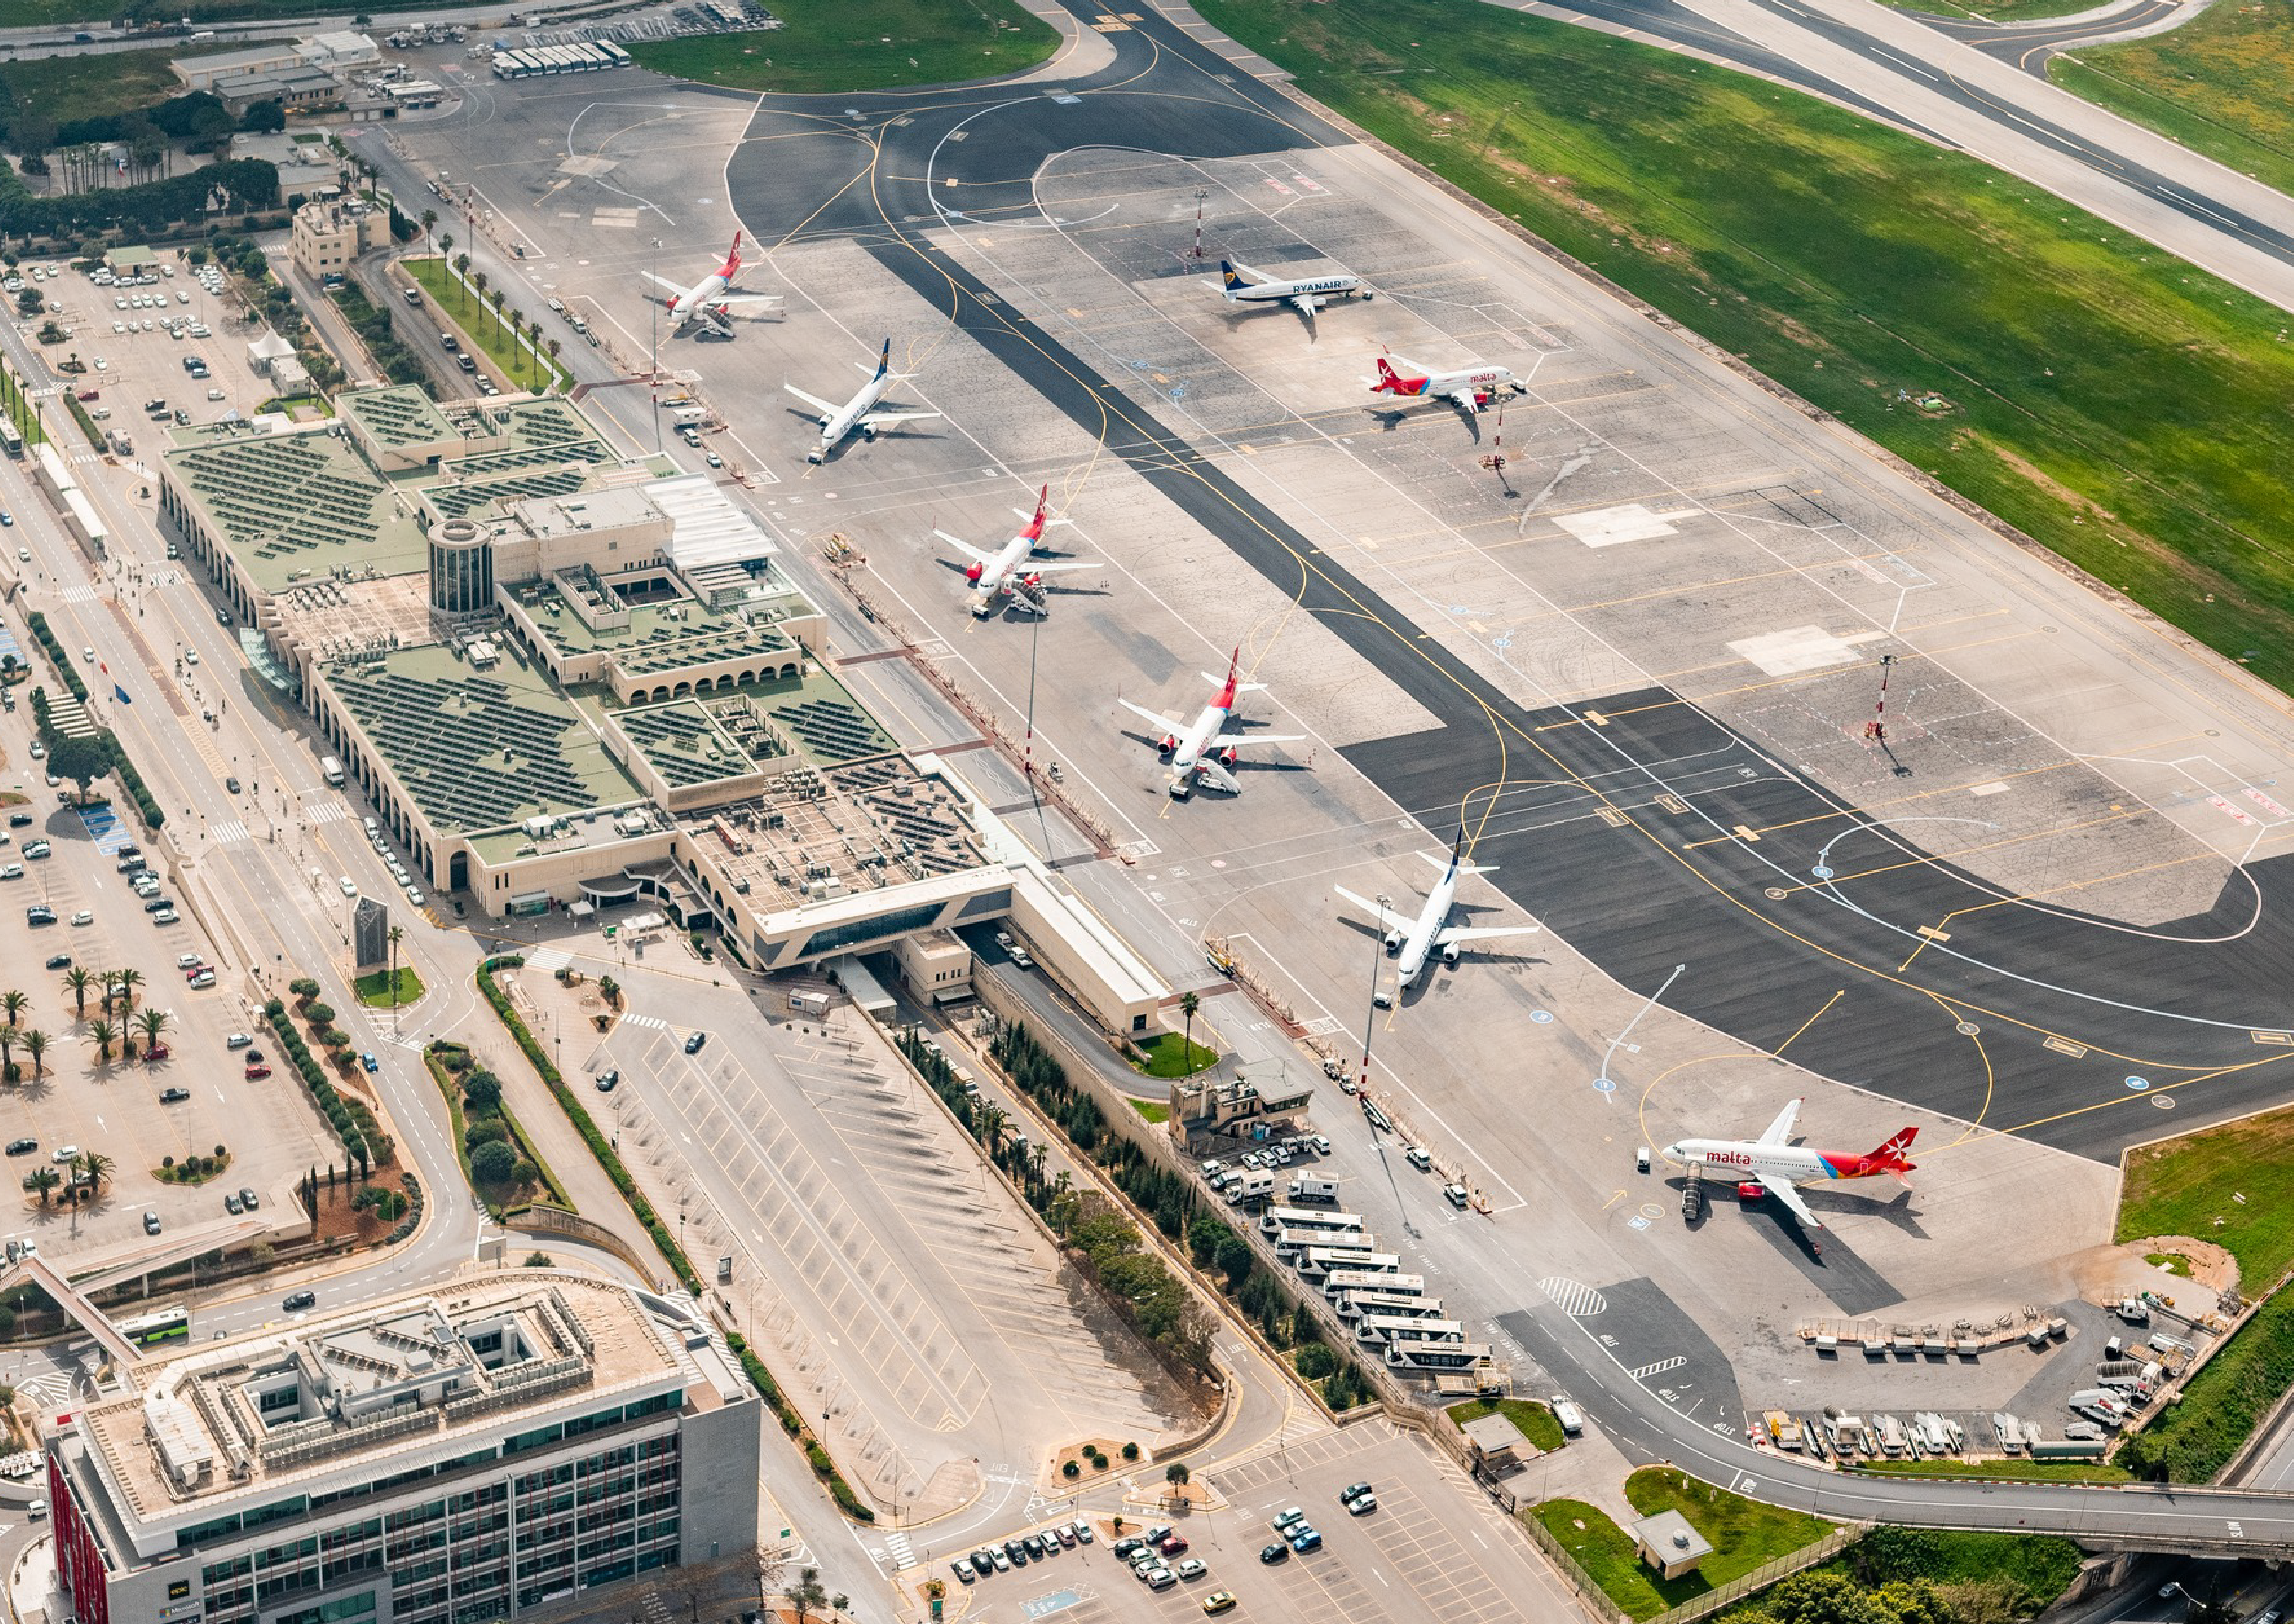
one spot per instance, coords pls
(568, 679)
(498, 1448)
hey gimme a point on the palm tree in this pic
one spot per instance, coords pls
(429, 219)
(992, 1121)
(12, 1003)
(1188, 1002)
(462, 288)
(397, 935)
(44, 1180)
(102, 1034)
(7, 1039)
(91, 1167)
(445, 245)
(128, 981)
(498, 298)
(151, 1023)
(76, 981)
(35, 1045)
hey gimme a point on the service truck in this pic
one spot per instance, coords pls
(1306, 1190)
(331, 770)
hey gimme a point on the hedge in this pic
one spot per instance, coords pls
(585, 1124)
(331, 1105)
(822, 1467)
(146, 806)
(38, 622)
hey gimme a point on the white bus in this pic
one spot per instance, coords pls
(1434, 1356)
(1379, 1329)
(1289, 1242)
(618, 57)
(1343, 1281)
(1303, 1218)
(1353, 1304)
(1319, 1260)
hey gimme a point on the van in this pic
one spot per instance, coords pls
(1572, 1418)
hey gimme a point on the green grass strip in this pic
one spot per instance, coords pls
(827, 46)
(2117, 404)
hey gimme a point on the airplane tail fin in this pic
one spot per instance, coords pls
(1035, 530)
(1232, 279)
(1390, 382)
(884, 359)
(1225, 700)
(1890, 1156)
(731, 268)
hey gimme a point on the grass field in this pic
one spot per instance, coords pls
(2003, 10)
(2030, 1471)
(1744, 1534)
(67, 87)
(2216, 83)
(2123, 408)
(1535, 1421)
(2182, 1186)
(827, 48)
(1169, 1054)
(480, 328)
(374, 990)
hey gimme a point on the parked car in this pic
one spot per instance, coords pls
(150, 1223)
(246, 1199)
(174, 1096)
(1275, 1553)
(22, 1146)
(607, 1081)
(59, 961)
(258, 1073)
(237, 1040)
(155, 1054)
(693, 1044)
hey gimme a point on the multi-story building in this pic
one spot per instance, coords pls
(328, 235)
(495, 1448)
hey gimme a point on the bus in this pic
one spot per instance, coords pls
(1289, 1242)
(1433, 1356)
(614, 54)
(1353, 1304)
(11, 440)
(1343, 1281)
(1280, 1218)
(1378, 1329)
(1320, 1261)
(155, 1329)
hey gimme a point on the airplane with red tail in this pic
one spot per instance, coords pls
(1469, 391)
(1013, 572)
(1204, 748)
(1773, 1165)
(707, 300)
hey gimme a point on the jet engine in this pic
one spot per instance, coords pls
(1449, 953)
(1167, 745)
(1393, 943)
(972, 571)
(1751, 1191)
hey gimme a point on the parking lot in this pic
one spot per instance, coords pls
(134, 1112)
(133, 340)
(1433, 1548)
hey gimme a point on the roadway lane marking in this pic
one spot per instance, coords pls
(1910, 67)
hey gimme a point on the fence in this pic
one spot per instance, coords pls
(1597, 1601)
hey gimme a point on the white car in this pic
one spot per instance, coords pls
(64, 1153)
(184, 961)
(86, 916)
(413, 897)
(191, 656)
(350, 886)
(237, 1040)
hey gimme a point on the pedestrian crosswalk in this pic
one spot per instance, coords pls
(82, 594)
(326, 810)
(223, 834)
(652, 1022)
(551, 959)
(900, 1550)
(48, 1389)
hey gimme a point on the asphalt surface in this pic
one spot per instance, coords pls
(1571, 812)
(2030, 45)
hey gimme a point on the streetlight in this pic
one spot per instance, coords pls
(1370, 1020)
(653, 366)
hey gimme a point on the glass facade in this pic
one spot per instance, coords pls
(531, 1532)
(462, 577)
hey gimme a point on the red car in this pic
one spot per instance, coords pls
(195, 971)
(253, 1072)
(155, 1054)
(1173, 1546)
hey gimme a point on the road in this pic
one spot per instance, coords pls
(2029, 45)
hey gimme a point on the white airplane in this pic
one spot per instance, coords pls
(1206, 749)
(1411, 942)
(1468, 391)
(860, 411)
(1772, 1164)
(1241, 285)
(1012, 572)
(705, 301)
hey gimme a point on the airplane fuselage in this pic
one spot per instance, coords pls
(1412, 953)
(839, 423)
(1188, 749)
(1750, 1163)
(687, 307)
(1314, 287)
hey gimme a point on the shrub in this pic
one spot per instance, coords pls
(1072, 1470)
(1130, 1451)
(1314, 1360)
(492, 1163)
(492, 1130)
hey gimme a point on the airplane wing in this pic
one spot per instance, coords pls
(814, 400)
(1163, 722)
(1051, 565)
(1227, 741)
(738, 300)
(1483, 933)
(1462, 397)
(1306, 303)
(877, 420)
(1783, 1191)
(1386, 919)
(965, 547)
(660, 282)
(1780, 1131)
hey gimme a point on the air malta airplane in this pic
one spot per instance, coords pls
(860, 411)
(1771, 1164)
(1205, 750)
(706, 299)
(1413, 942)
(1241, 285)
(1013, 573)
(1468, 391)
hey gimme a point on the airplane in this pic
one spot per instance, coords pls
(703, 302)
(1772, 1165)
(1205, 750)
(1468, 391)
(1411, 942)
(1010, 573)
(860, 411)
(1241, 285)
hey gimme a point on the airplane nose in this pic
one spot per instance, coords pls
(1672, 1153)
